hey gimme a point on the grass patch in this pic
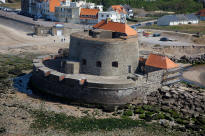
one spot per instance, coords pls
(61, 122)
(11, 66)
(16, 5)
(193, 29)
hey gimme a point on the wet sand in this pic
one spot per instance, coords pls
(195, 74)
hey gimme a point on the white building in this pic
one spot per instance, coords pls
(84, 4)
(2, 1)
(170, 20)
(112, 16)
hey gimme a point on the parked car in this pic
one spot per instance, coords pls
(148, 24)
(164, 39)
(134, 27)
(156, 35)
(35, 18)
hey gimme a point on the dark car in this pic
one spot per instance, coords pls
(156, 35)
(35, 18)
(164, 39)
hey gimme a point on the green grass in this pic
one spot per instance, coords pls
(193, 29)
(61, 121)
(44, 120)
(15, 5)
(11, 66)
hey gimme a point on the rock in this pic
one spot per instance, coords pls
(184, 88)
(168, 95)
(165, 88)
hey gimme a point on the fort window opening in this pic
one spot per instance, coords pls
(115, 64)
(98, 64)
(129, 69)
(84, 62)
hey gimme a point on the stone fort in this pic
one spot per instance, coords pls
(103, 66)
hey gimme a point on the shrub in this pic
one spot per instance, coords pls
(139, 111)
(127, 113)
(158, 116)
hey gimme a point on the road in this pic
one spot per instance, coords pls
(15, 16)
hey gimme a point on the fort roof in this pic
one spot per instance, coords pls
(116, 27)
(159, 61)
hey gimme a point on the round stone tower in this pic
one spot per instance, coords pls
(96, 69)
(102, 56)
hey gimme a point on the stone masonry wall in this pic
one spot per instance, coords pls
(124, 52)
(60, 84)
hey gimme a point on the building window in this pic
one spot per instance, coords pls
(84, 62)
(107, 15)
(98, 64)
(102, 15)
(115, 64)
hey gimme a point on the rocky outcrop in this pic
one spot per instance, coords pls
(199, 59)
(189, 101)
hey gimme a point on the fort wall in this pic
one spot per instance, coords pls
(74, 88)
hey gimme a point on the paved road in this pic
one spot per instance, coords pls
(15, 16)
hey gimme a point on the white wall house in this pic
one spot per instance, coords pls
(112, 15)
(192, 19)
(84, 4)
(3, 1)
(181, 19)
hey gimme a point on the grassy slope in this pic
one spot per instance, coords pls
(16, 4)
(182, 28)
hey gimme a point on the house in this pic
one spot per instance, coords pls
(129, 10)
(192, 19)
(157, 62)
(201, 15)
(112, 16)
(117, 8)
(41, 8)
(116, 27)
(59, 10)
(89, 16)
(67, 14)
(84, 4)
(170, 20)
(2, 1)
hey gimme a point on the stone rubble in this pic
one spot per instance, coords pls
(187, 100)
(199, 59)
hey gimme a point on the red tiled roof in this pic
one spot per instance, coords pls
(160, 61)
(90, 12)
(201, 12)
(116, 27)
(88, 18)
(119, 9)
(53, 4)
